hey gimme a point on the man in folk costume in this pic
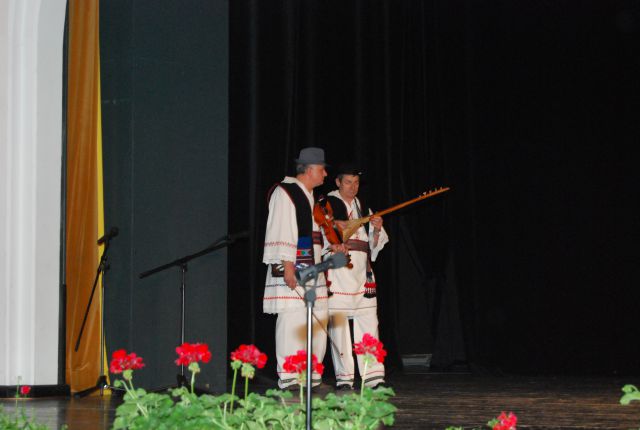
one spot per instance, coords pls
(354, 290)
(292, 241)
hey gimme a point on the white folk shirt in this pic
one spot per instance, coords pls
(280, 244)
(347, 285)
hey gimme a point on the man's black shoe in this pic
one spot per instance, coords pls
(344, 387)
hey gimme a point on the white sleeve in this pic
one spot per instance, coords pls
(383, 238)
(281, 237)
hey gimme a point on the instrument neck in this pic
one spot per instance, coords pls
(410, 202)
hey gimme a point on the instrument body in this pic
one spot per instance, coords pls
(353, 225)
(323, 216)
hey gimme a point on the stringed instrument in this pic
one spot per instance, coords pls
(323, 216)
(354, 224)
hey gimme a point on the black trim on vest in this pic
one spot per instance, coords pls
(303, 210)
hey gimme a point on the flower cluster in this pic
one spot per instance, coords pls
(22, 390)
(504, 422)
(251, 355)
(121, 361)
(245, 358)
(192, 353)
(370, 346)
(298, 363)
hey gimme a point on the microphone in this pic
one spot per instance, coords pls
(336, 261)
(109, 235)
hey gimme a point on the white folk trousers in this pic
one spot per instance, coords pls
(291, 336)
(341, 335)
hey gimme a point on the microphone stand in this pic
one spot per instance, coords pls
(102, 383)
(222, 242)
(309, 300)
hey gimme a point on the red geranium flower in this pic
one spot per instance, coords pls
(506, 422)
(251, 355)
(372, 346)
(121, 361)
(298, 363)
(25, 389)
(192, 353)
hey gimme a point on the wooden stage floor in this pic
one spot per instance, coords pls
(431, 401)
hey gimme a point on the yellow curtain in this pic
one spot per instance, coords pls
(84, 188)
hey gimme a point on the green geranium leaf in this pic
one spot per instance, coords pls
(177, 392)
(127, 409)
(279, 393)
(119, 423)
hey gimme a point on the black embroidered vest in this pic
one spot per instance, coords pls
(306, 236)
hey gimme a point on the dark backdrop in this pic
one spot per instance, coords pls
(165, 119)
(528, 110)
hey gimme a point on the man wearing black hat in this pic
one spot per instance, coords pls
(354, 290)
(293, 240)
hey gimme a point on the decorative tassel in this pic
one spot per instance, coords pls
(370, 286)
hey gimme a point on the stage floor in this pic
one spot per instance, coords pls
(431, 401)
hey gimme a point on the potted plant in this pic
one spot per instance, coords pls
(181, 408)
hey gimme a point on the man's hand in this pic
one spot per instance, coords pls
(290, 274)
(376, 222)
(340, 247)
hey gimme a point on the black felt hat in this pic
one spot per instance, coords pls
(348, 169)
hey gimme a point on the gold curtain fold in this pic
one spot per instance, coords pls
(84, 186)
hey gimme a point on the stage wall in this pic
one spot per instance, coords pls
(31, 42)
(164, 104)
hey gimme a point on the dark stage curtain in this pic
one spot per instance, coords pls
(527, 110)
(363, 80)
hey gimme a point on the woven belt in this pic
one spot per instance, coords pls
(358, 245)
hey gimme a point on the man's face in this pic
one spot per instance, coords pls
(316, 174)
(348, 186)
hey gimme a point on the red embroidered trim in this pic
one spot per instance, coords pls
(285, 285)
(291, 298)
(290, 245)
(348, 294)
